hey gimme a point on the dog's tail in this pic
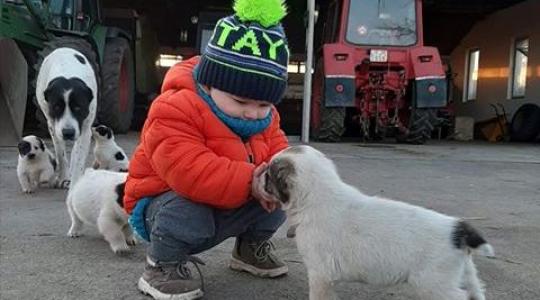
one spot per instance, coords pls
(465, 236)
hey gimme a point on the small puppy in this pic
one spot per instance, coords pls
(345, 235)
(107, 154)
(36, 164)
(97, 199)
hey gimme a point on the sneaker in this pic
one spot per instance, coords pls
(257, 258)
(171, 281)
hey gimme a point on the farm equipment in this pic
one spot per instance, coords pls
(117, 42)
(374, 74)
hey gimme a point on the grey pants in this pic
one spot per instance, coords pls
(179, 227)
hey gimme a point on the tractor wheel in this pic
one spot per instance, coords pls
(332, 124)
(331, 121)
(421, 124)
(525, 124)
(78, 44)
(118, 86)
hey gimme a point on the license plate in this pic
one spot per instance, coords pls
(378, 55)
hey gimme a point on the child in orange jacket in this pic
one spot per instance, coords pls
(205, 142)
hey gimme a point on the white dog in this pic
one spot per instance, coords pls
(96, 199)
(107, 154)
(36, 164)
(345, 235)
(67, 90)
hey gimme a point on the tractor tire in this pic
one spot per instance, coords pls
(118, 86)
(78, 44)
(421, 124)
(332, 124)
(525, 125)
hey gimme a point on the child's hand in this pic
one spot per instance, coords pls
(267, 201)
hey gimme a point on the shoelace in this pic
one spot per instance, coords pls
(262, 252)
(185, 273)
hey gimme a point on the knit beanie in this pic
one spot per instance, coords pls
(247, 55)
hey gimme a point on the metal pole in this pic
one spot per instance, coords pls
(306, 109)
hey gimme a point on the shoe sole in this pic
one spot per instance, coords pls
(147, 289)
(241, 266)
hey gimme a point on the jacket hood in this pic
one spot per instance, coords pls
(180, 76)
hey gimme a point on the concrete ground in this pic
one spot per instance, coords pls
(497, 187)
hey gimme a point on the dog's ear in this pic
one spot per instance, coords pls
(57, 84)
(87, 92)
(278, 179)
(104, 131)
(81, 90)
(41, 144)
(24, 147)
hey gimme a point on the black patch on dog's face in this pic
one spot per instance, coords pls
(120, 194)
(24, 147)
(80, 59)
(278, 177)
(119, 156)
(78, 101)
(464, 235)
(54, 95)
(104, 131)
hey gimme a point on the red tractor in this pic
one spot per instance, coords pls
(374, 74)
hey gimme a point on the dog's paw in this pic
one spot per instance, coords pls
(291, 233)
(73, 234)
(46, 184)
(61, 184)
(120, 249)
(131, 241)
(28, 191)
(64, 184)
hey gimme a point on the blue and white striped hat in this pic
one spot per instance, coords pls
(248, 55)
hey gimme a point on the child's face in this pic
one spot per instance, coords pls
(238, 107)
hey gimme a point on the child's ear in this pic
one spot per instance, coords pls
(207, 89)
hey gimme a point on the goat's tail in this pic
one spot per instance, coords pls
(465, 236)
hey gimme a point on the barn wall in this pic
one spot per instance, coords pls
(495, 38)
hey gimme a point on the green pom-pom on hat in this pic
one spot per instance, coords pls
(265, 12)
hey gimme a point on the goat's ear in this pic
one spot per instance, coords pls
(278, 179)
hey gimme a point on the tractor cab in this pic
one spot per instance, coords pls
(382, 23)
(74, 15)
(373, 72)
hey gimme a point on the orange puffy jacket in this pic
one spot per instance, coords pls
(184, 147)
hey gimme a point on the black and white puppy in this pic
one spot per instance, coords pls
(67, 90)
(96, 199)
(36, 164)
(346, 235)
(107, 154)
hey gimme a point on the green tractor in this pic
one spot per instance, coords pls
(118, 43)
